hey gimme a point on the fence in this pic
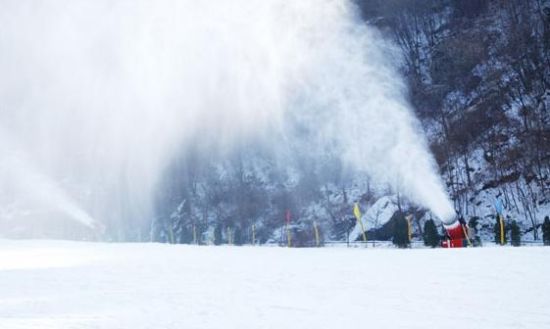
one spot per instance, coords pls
(415, 244)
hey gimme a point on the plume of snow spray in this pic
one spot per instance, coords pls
(29, 185)
(101, 94)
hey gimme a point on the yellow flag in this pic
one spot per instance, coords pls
(357, 212)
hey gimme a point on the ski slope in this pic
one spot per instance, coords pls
(53, 284)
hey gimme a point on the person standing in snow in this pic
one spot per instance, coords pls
(546, 231)
(466, 230)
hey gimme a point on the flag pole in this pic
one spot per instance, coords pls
(501, 230)
(253, 234)
(171, 233)
(357, 213)
(287, 220)
(229, 242)
(288, 238)
(409, 228)
(317, 242)
(500, 209)
(466, 235)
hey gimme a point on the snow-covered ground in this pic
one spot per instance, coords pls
(53, 284)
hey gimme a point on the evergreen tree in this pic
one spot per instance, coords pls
(218, 234)
(238, 238)
(400, 231)
(515, 234)
(431, 236)
(546, 231)
(474, 237)
(184, 235)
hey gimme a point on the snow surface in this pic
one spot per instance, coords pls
(53, 284)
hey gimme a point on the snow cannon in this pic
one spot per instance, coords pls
(456, 235)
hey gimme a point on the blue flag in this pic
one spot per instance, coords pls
(498, 206)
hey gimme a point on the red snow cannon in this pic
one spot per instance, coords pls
(456, 235)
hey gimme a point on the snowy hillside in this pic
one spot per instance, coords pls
(49, 284)
(479, 77)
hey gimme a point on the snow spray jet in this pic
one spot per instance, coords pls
(26, 184)
(353, 103)
(103, 94)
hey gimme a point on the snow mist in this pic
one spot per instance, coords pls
(96, 97)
